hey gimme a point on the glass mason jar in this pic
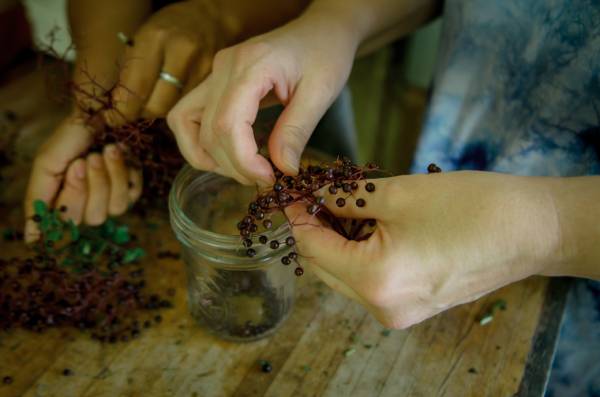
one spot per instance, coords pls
(230, 294)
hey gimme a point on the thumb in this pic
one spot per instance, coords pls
(295, 126)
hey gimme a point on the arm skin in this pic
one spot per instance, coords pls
(577, 207)
(94, 27)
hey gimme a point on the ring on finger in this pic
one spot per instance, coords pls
(169, 78)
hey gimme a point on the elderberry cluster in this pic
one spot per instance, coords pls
(341, 177)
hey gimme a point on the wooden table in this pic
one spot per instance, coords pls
(329, 346)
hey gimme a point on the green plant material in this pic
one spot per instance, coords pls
(386, 332)
(488, 316)
(106, 246)
(349, 352)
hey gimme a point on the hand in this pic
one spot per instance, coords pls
(441, 240)
(304, 63)
(179, 39)
(91, 187)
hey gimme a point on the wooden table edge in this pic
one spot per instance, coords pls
(544, 342)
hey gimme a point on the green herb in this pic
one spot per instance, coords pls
(488, 316)
(84, 247)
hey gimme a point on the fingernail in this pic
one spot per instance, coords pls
(291, 158)
(80, 170)
(95, 161)
(31, 232)
(113, 152)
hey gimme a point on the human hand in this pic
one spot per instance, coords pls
(91, 187)
(305, 64)
(179, 39)
(441, 240)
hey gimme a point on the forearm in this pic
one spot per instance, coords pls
(378, 22)
(577, 207)
(94, 28)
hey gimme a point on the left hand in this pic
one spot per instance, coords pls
(179, 39)
(441, 240)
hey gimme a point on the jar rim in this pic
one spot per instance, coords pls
(185, 228)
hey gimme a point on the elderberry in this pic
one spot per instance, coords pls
(370, 187)
(340, 202)
(251, 252)
(293, 255)
(274, 244)
(360, 202)
(332, 189)
(247, 243)
(290, 241)
(286, 260)
(346, 187)
(267, 224)
(263, 239)
(433, 168)
(299, 271)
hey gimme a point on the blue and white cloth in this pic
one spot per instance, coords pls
(517, 90)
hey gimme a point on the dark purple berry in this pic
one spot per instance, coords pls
(247, 243)
(278, 187)
(253, 228)
(263, 239)
(332, 189)
(266, 367)
(370, 187)
(274, 244)
(286, 261)
(251, 252)
(346, 187)
(432, 168)
(247, 219)
(299, 271)
(354, 185)
(267, 224)
(293, 255)
(340, 202)
(360, 202)
(290, 241)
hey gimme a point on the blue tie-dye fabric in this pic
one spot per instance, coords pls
(517, 90)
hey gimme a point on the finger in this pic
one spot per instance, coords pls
(119, 180)
(142, 66)
(232, 127)
(65, 144)
(185, 122)
(96, 208)
(335, 284)
(295, 126)
(135, 185)
(324, 248)
(74, 192)
(179, 56)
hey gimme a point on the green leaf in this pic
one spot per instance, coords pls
(54, 235)
(133, 255)
(40, 208)
(74, 230)
(121, 235)
(108, 228)
(86, 248)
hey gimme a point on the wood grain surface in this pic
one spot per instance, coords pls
(329, 346)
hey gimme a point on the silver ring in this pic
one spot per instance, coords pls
(169, 78)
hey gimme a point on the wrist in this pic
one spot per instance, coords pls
(575, 202)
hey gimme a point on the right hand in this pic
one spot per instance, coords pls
(305, 64)
(91, 187)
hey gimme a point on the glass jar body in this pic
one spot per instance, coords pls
(229, 294)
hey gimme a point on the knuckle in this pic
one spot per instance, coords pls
(223, 126)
